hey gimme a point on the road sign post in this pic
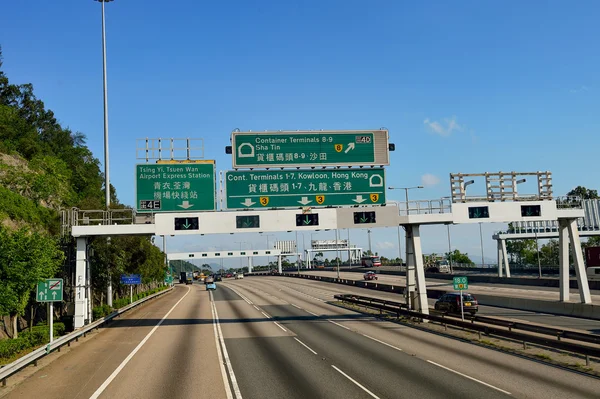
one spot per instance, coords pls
(175, 187)
(50, 290)
(460, 284)
(309, 148)
(302, 188)
(131, 280)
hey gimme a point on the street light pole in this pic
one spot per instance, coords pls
(109, 298)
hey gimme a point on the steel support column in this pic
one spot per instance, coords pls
(505, 258)
(409, 293)
(279, 263)
(80, 283)
(500, 259)
(582, 282)
(563, 269)
(422, 304)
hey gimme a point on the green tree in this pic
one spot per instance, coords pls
(522, 252)
(583, 193)
(25, 258)
(458, 257)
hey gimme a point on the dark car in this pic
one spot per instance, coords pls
(370, 276)
(450, 302)
(218, 277)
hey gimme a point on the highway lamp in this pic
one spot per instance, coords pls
(467, 183)
(106, 169)
(240, 242)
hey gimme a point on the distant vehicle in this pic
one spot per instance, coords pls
(182, 277)
(218, 277)
(189, 278)
(593, 273)
(592, 256)
(229, 275)
(211, 286)
(370, 276)
(450, 302)
(239, 276)
(274, 271)
(370, 261)
(209, 279)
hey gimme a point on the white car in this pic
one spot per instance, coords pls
(239, 276)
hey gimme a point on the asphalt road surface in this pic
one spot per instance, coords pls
(274, 337)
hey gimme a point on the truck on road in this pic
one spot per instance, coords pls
(186, 277)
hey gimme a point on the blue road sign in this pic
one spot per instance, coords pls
(131, 279)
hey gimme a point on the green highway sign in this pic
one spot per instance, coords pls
(460, 283)
(479, 212)
(298, 188)
(309, 148)
(177, 187)
(50, 290)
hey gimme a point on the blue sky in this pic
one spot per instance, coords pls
(466, 86)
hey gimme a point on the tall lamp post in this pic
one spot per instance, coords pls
(406, 197)
(106, 169)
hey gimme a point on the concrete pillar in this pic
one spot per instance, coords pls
(505, 257)
(582, 282)
(80, 280)
(500, 260)
(279, 263)
(563, 269)
(410, 269)
(422, 305)
(249, 264)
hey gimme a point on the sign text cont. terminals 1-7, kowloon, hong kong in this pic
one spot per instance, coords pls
(298, 188)
(297, 149)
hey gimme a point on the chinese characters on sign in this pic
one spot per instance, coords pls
(180, 187)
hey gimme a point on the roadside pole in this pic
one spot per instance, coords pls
(51, 305)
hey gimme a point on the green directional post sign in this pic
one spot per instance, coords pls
(298, 188)
(50, 290)
(180, 187)
(297, 149)
(460, 283)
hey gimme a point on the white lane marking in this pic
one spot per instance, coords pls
(306, 346)
(134, 351)
(338, 324)
(308, 311)
(266, 315)
(234, 384)
(296, 306)
(471, 378)
(221, 362)
(381, 342)
(280, 326)
(242, 296)
(256, 307)
(355, 382)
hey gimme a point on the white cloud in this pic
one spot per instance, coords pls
(429, 180)
(439, 128)
(384, 245)
(580, 89)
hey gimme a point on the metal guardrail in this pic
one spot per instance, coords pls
(24, 361)
(486, 325)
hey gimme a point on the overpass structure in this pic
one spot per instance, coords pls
(500, 204)
(587, 226)
(250, 254)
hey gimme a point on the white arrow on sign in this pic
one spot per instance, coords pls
(359, 199)
(305, 201)
(41, 295)
(350, 147)
(53, 294)
(186, 205)
(248, 202)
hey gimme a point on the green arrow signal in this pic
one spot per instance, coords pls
(186, 225)
(363, 219)
(307, 220)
